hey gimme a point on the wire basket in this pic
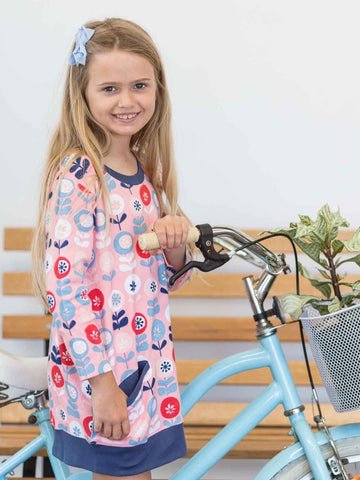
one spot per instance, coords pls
(335, 343)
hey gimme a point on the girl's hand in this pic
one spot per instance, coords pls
(109, 407)
(172, 232)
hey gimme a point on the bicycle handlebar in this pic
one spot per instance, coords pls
(149, 241)
(232, 240)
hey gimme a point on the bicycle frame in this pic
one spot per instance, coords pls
(282, 390)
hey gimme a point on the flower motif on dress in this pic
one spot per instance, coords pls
(65, 355)
(93, 334)
(142, 253)
(164, 367)
(132, 284)
(57, 377)
(51, 301)
(136, 206)
(62, 229)
(151, 287)
(97, 299)
(63, 415)
(116, 300)
(66, 188)
(62, 267)
(82, 295)
(88, 424)
(86, 388)
(84, 221)
(145, 195)
(139, 323)
(123, 243)
(76, 429)
(117, 203)
(170, 407)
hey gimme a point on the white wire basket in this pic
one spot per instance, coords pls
(334, 340)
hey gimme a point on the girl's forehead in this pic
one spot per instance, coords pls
(120, 66)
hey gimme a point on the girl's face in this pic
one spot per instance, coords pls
(121, 91)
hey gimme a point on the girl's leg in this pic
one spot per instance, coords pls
(140, 476)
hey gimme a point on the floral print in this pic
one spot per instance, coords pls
(109, 302)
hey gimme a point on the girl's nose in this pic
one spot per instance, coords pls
(125, 99)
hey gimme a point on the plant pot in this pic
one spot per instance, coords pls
(334, 340)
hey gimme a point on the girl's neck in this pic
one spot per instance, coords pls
(121, 159)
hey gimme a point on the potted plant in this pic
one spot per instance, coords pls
(332, 319)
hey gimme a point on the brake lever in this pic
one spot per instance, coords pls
(213, 259)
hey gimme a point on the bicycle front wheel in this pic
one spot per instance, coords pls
(349, 450)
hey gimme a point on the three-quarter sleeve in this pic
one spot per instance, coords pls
(75, 291)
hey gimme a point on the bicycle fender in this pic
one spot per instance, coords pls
(295, 451)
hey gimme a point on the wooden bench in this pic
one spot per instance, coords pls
(206, 418)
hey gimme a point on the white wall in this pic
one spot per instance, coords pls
(265, 99)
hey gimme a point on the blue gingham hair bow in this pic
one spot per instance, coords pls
(79, 54)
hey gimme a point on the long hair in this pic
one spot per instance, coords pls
(79, 133)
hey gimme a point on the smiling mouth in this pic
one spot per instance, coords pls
(126, 116)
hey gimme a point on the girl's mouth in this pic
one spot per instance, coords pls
(126, 118)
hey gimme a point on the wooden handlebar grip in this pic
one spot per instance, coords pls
(149, 241)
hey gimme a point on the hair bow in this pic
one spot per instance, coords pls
(79, 54)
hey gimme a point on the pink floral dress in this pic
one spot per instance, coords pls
(109, 302)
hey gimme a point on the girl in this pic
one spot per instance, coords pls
(113, 392)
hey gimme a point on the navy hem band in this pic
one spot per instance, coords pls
(163, 447)
(128, 179)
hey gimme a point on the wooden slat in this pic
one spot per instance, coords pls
(17, 238)
(16, 283)
(260, 443)
(211, 285)
(184, 328)
(26, 326)
(20, 239)
(14, 437)
(216, 414)
(228, 329)
(189, 369)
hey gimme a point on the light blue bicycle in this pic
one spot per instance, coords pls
(328, 454)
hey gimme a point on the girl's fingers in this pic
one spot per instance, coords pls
(171, 231)
(155, 252)
(97, 426)
(116, 432)
(107, 430)
(125, 427)
(170, 236)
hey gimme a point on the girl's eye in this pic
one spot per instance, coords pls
(140, 86)
(106, 89)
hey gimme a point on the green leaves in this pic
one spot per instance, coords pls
(337, 247)
(318, 240)
(353, 245)
(323, 285)
(293, 304)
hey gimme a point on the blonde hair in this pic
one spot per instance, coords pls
(79, 133)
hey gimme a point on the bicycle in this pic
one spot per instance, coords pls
(325, 455)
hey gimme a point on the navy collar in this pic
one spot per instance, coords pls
(128, 179)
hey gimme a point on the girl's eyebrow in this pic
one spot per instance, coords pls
(119, 83)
